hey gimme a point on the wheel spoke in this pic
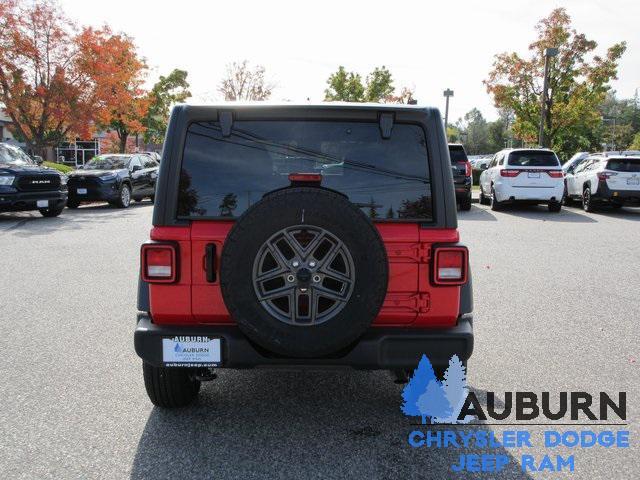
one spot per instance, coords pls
(331, 294)
(276, 293)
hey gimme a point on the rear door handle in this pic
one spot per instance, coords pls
(210, 262)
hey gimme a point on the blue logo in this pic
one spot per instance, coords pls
(426, 397)
(177, 348)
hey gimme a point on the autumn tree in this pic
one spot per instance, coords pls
(578, 82)
(44, 87)
(243, 82)
(124, 103)
(377, 87)
(169, 90)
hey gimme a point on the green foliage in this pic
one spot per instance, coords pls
(480, 136)
(58, 166)
(578, 83)
(377, 88)
(167, 91)
(635, 145)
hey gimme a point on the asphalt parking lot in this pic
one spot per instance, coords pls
(556, 310)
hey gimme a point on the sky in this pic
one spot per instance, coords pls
(429, 46)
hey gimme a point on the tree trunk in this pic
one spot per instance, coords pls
(123, 136)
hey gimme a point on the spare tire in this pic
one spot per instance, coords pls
(303, 272)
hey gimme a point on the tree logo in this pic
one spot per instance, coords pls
(426, 397)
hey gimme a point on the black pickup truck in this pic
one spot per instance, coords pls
(25, 185)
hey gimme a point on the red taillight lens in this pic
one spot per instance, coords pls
(509, 173)
(450, 265)
(159, 263)
(555, 173)
(604, 175)
(467, 171)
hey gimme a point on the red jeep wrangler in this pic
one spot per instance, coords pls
(321, 235)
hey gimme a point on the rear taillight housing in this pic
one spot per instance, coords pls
(602, 176)
(159, 262)
(450, 265)
(555, 173)
(509, 173)
(467, 169)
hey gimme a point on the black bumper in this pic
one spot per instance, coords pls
(622, 197)
(23, 201)
(97, 191)
(379, 348)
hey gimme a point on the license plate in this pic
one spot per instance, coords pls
(533, 174)
(633, 181)
(42, 203)
(191, 351)
(81, 191)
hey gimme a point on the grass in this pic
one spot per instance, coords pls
(58, 166)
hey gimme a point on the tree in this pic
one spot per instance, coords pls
(578, 83)
(45, 86)
(455, 385)
(433, 403)
(390, 213)
(245, 83)
(228, 205)
(378, 87)
(635, 145)
(416, 386)
(169, 90)
(124, 103)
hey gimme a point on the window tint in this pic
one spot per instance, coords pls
(500, 159)
(149, 162)
(457, 154)
(624, 165)
(533, 158)
(222, 176)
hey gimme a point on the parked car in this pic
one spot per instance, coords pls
(114, 178)
(523, 175)
(154, 155)
(604, 179)
(301, 236)
(26, 185)
(461, 169)
(574, 161)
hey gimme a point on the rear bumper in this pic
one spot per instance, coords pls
(508, 193)
(379, 348)
(95, 192)
(624, 197)
(23, 201)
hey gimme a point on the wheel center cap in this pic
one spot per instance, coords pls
(303, 275)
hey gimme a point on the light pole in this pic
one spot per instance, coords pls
(447, 93)
(548, 53)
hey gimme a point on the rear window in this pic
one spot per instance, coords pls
(533, 158)
(624, 165)
(387, 178)
(457, 154)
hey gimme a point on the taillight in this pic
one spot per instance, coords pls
(158, 262)
(509, 173)
(450, 265)
(602, 176)
(555, 173)
(467, 169)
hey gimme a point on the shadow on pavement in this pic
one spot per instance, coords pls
(287, 424)
(477, 213)
(624, 213)
(29, 224)
(541, 213)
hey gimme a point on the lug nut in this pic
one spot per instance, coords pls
(316, 278)
(295, 264)
(312, 264)
(290, 278)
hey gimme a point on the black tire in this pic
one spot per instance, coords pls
(311, 207)
(73, 204)
(495, 204)
(170, 387)
(51, 212)
(587, 200)
(483, 198)
(465, 203)
(554, 207)
(152, 198)
(124, 196)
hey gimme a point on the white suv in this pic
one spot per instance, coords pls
(523, 175)
(608, 178)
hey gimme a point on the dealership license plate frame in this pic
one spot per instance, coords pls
(185, 356)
